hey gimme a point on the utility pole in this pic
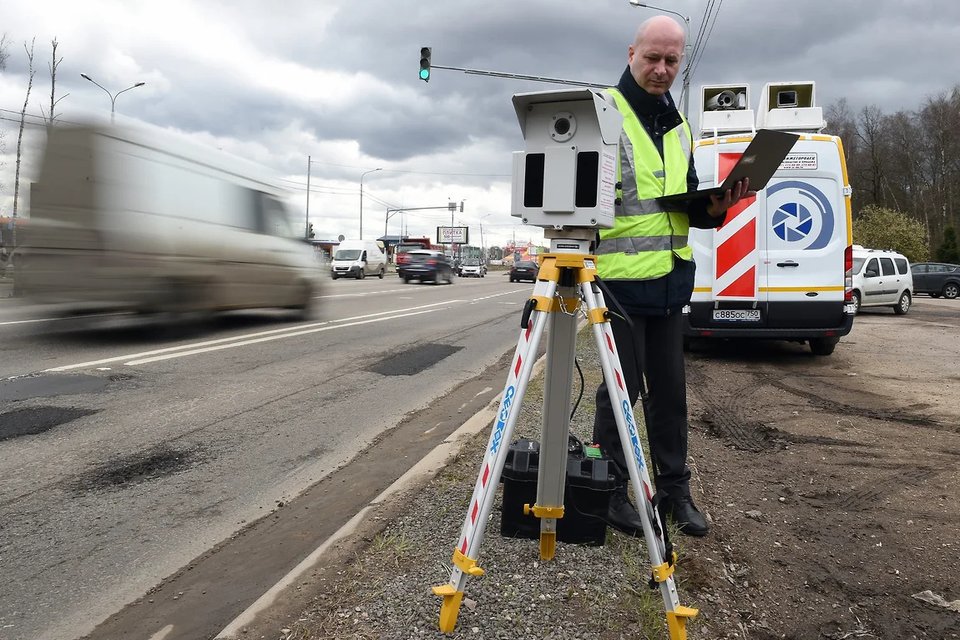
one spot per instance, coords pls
(306, 223)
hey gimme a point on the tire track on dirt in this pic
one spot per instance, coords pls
(869, 493)
(843, 409)
(723, 414)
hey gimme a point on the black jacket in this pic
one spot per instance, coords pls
(668, 293)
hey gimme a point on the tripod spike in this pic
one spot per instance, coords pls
(450, 608)
(677, 621)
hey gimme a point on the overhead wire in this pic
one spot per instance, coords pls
(711, 12)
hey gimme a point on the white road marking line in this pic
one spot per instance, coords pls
(244, 343)
(181, 347)
(55, 319)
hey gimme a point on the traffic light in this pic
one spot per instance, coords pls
(425, 64)
(310, 233)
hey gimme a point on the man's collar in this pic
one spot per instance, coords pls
(641, 101)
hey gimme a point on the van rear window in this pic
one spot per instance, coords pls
(901, 266)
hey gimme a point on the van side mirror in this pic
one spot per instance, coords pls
(871, 273)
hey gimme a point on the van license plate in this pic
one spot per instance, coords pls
(736, 315)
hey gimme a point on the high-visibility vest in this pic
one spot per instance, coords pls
(646, 234)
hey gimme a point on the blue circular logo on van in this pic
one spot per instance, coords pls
(802, 213)
(792, 222)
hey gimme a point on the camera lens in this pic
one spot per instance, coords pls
(561, 126)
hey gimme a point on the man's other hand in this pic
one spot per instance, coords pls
(719, 205)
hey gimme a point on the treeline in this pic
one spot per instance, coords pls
(908, 161)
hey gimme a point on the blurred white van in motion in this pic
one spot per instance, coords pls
(142, 220)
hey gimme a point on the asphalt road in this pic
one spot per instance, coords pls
(128, 452)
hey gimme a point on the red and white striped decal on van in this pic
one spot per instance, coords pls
(736, 257)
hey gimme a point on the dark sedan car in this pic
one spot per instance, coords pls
(427, 266)
(936, 279)
(524, 270)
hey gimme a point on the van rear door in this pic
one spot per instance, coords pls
(805, 236)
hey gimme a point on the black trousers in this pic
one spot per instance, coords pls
(656, 344)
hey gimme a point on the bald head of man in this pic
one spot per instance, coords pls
(654, 57)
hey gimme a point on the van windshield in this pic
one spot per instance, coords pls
(347, 254)
(857, 263)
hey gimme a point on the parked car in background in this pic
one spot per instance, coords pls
(524, 270)
(881, 279)
(473, 268)
(426, 266)
(936, 279)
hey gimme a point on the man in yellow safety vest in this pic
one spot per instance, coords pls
(647, 265)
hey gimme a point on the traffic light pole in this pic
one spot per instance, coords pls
(520, 76)
(390, 212)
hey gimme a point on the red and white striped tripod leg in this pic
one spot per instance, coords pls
(471, 534)
(662, 567)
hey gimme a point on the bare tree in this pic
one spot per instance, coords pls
(23, 116)
(52, 66)
(3, 51)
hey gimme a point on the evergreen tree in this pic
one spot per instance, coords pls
(882, 228)
(948, 250)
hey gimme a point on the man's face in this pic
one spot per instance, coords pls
(655, 60)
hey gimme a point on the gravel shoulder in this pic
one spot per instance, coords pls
(832, 502)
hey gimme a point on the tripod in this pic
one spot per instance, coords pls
(564, 272)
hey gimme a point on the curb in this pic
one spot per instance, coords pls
(421, 473)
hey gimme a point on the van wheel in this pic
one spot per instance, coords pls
(855, 298)
(382, 272)
(361, 274)
(903, 305)
(823, 346)
(950, 291)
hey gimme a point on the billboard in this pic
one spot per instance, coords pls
(453, 235)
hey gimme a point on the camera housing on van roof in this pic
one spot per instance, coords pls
(566, 177)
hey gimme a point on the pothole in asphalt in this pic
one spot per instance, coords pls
(50, 386)
(137, 468)
(413, 361)
(30, 421)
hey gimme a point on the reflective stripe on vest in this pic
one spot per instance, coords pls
(646, 234)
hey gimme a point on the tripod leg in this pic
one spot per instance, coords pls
(555, 425)
(471, 534)
(662, 559)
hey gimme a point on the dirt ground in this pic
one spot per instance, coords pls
(831, 484)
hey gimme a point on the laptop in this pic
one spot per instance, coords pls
(760, 160)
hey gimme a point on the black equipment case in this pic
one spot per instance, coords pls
(586, 494)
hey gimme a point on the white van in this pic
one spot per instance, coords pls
(141, 219)
(881, 279)
(780, 266)
(358, 259)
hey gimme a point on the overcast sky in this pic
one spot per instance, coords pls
(337, 80)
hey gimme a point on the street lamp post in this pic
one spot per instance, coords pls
(306, 223)
(361, 197)
(113, 96)
(685, 90)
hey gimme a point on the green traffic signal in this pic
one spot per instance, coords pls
(425, 64)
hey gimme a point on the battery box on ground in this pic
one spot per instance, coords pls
(586, 495)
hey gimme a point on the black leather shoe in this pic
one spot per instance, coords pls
(687, 517)
(623, 516)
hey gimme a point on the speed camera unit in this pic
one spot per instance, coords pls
(567, 175)
(790, 106)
